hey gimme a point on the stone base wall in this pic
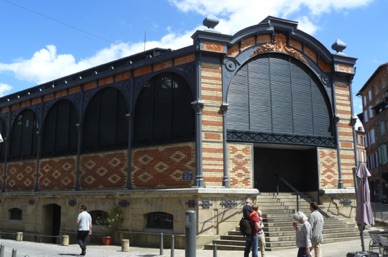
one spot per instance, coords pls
(217, 211)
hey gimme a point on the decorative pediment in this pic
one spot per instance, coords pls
(279, 46)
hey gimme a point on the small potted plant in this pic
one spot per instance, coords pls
(111, 221)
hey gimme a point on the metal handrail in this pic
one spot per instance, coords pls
(298, 194)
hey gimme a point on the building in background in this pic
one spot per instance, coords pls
(374, 117)
(199, 128)
(361, 149)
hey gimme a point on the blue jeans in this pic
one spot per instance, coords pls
(251, 243)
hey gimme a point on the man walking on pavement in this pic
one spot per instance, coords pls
(84, 221)
(316, 221)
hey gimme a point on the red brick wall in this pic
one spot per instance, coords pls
(57, 173)
(212, 125)
(104, 170)
(21, 176)
(163, 166)
(240, 165)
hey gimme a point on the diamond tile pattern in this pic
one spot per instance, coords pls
(162, 167)
(57, 173)
(104, 170)
(21, 176)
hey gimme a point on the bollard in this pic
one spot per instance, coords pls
(13, 252)
(172, 246)
(215, 250)
(19, 236)
(65, 240)
(2, 250)
(190, 234)
(161, 243)
(125, 245)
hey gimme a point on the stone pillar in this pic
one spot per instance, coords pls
(19, 236)
(65, 240)
(125, 245)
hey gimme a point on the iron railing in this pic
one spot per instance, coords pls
(298, 194)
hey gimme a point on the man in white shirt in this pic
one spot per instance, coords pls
(84, 221)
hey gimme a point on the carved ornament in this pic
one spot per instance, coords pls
(280, 46)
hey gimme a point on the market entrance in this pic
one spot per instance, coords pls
(297, 165)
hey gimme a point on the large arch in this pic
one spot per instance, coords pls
(279, 105)
(24, 137)
(277, 94)
(60, 135)
(163, 111)
(105, 124)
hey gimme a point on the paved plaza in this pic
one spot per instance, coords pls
(31, 249)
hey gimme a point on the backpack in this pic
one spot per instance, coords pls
(245, 227)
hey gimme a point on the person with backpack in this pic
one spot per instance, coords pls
(251, 241)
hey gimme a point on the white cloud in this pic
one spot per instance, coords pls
(47, 64)
(4, 89)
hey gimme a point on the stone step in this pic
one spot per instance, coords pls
(278, 211)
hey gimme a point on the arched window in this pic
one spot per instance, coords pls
(24, 137)
(59, 130)
(15, 214)
(105, 123)
(163, 111)
(160, 220)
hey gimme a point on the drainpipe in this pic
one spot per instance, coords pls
(225, 181)
(336, 120)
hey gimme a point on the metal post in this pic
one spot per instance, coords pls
(161, 243)
(190, 234)
(214, 250)
(172, 246)
(1, 250)
(13, 252)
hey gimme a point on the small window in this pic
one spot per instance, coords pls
(160, 220)
(382, 128)
(99, 217)
(15, 214)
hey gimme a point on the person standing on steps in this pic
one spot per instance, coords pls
(84, 222)
(251, 241)
(261, 236)
(316, 221)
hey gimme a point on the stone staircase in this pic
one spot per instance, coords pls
(279, 233)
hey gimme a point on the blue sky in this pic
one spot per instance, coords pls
(42, 40)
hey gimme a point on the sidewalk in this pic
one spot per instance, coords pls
(30, 249)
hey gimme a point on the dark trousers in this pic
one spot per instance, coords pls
(302, 252)
(81, 239)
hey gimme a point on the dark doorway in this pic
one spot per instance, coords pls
(51, 222)
(298, 166)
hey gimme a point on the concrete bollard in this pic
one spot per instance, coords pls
(65, 240)
(19, 236)
(125, 245)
